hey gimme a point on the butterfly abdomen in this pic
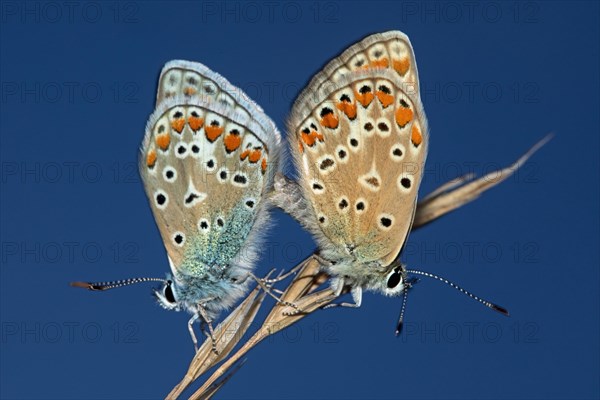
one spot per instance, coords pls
(214, 291)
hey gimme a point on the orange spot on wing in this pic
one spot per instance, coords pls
(415, 137)
(178, 124)
(308, 138)
(151, 158)
(195, 123)
(189, 91)
(330, 121)
(311, 138)
(403, 116)
(244, 154)
(385, 98)
(401, 66)
(213, 132)
(263, 165)
(300, 146)
(232, 142)
(163, 141)
(364, 99)
(382, 63)
(347, 108)
(254, 156)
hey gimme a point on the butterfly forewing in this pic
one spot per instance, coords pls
(191, 80)
(388, 50)
(359, 138)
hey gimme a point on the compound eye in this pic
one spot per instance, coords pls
(394, 279)
(168, 292)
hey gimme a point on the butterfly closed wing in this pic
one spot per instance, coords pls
(207, 160)
(359, 141)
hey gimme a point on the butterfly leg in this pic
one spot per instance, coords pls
(267, 290)
(323, 261)
(266, 281)
(339, 286)
(282, 277)
(191, 329)
(208, 323)
(356, 293)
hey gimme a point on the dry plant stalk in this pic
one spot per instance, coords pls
(466, 189)
(301, 291)
(308, 278)
(227, 335)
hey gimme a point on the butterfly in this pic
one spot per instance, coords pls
(208, 157)
(359, 140)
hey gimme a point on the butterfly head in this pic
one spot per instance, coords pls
(393, 283)
(167, 295)
(390, 281)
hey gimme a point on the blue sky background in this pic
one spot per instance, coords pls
(77, 86)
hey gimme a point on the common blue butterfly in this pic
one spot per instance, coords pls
(359, 140)
(207, 160)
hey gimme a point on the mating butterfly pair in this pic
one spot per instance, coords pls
(210, 156)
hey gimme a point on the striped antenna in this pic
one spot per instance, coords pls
(408, 283)
(486, 303)
(401, 318)
(114, 284)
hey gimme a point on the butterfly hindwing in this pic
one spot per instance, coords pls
(359, 140)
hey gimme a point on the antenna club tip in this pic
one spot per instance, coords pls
(399, 329)
(501, 310)
(83, 285)
(87, 285)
